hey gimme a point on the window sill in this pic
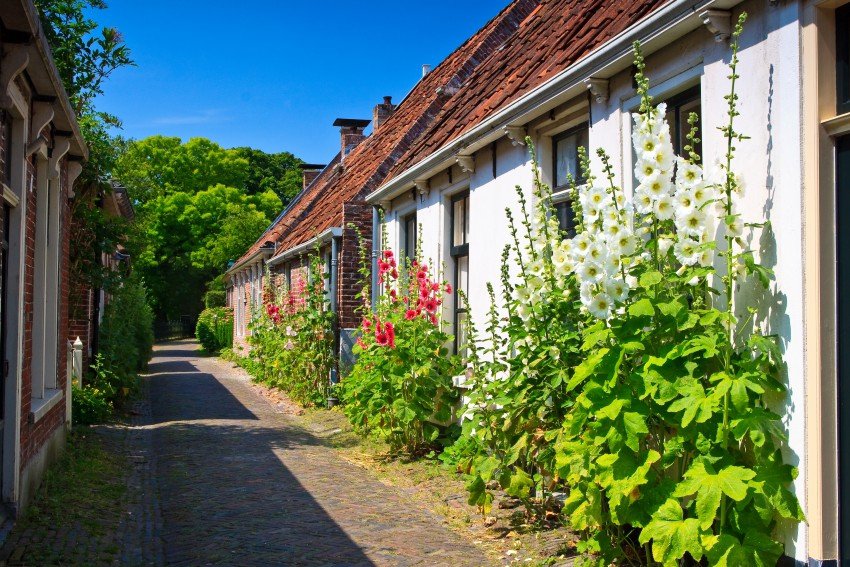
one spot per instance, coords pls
(40, 406)
(837, 126)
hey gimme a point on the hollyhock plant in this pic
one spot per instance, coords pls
(292, 339)
(651, 405)
(400, 386)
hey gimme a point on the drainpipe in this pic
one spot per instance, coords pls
(376, 249)
(334, 269)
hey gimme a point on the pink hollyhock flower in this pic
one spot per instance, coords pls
(421, 275)
(449, 288)
(366, 323)
(388, 253)
(430, 305)
(433, 319)
(435, 286)
(410, 314)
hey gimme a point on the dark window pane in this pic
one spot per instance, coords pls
(842, 58)
(566, 161)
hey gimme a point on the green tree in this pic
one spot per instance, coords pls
(189, 238)
(272, 172)
(160, 165)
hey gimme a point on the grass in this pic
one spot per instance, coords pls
(81, 499)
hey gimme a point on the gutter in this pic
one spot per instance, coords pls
(654, 32)
(263, 251)
(300, 249)
(47, 58)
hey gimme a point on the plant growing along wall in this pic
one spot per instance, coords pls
(292, 337)
(214, 329)
(400, 388)
(657, 420)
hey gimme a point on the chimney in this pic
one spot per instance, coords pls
(350, 133)
(382, 111)
(309, 172)
(426, 69)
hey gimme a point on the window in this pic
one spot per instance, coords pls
(679, 107)
(460, 255)
(410, 230)
(566, 166)
(842, 59)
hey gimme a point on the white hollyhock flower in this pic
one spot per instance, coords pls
(686, 252)
(685, 201)
(663, 207)
(688, 175)
(692, 223)
(656, 186)
(617, 289)
(600, 306)
(664, 245)
(643, 201)
(626, 243)
(580, 245)
(734, 226)
(591, 272)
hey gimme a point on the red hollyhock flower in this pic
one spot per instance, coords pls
(448, 288)
(366, 323)
(393, 294)
(382, 339)
(410, 314)
(421, 275)
(435, 286)
(394, 274)
(390, 335)
(433, 319)
(430, 305)
(388, 253)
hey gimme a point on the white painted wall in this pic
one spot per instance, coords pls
(770, 165)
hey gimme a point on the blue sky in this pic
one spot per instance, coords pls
(274, 75)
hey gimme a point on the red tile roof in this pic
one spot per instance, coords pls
(559, 33)
(320, 205)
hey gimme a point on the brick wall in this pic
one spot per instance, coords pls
(358, 213)
(33, 436)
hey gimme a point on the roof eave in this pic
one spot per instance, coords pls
(296, 251)
(654, 32)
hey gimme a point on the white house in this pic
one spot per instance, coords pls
(565, 79)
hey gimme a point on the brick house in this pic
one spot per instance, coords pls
(86, 303)
(42, 152)
(333, 198)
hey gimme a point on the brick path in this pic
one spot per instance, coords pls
(219, 477)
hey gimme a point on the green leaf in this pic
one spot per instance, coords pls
(702, 480)
(642, 308)
(672, 535)
(586, 368)
(635, 424)
(757, 549)
(651, 278)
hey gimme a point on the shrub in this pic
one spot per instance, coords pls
(215, 298)
(126, 334)
(214, 329)
(90, 405)
(400, 388)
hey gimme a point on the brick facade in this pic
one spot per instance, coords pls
(41, 137)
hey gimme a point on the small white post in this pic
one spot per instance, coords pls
(78, 363)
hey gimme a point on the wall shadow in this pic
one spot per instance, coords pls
(225, 496)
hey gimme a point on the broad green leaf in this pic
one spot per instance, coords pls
(672, 535)
(709, 486)
(635, 424)
(642, 308)
(757, 549)
(649, 279)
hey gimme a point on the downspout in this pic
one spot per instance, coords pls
(376, 245)
(332, 400)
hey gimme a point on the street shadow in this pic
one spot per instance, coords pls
(227, 499)
(208, 398)
(170, 366)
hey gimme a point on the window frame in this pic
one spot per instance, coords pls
(560, 193)
(408, 251)
(458, 251)
(677, 101)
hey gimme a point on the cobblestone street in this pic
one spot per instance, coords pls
(219, 477)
